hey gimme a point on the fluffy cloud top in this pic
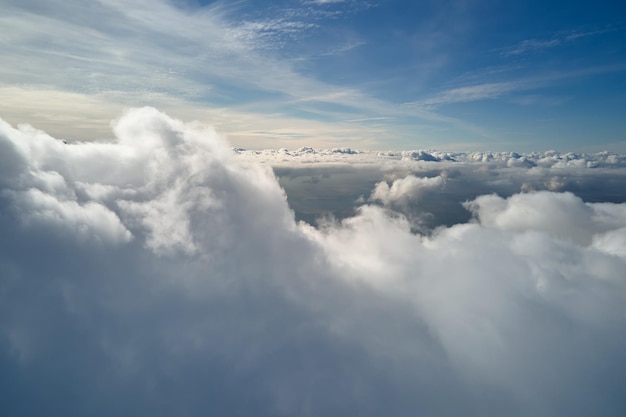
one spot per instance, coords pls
(162, 274)
(404, 189)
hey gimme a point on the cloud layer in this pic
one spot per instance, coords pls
(548, 159)
(163, 274)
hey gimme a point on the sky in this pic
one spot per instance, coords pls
(448, 75)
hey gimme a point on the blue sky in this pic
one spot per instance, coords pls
(376, 74)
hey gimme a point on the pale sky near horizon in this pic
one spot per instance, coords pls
(376, 74)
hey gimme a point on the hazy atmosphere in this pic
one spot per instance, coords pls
(312, 208)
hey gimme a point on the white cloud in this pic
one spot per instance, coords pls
(404, 189)
(558, 214)
(562, 215)
(222, 304)
(613, 242)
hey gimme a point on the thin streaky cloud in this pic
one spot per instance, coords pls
(272, 34)
(343, 48)
(181, 41)
(325, 1)
(491, 91)
(534, 45)
(469, 93)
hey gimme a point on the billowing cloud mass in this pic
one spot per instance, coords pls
(163, 274)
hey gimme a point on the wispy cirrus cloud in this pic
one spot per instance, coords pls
(326, 1)
(469, 93)
(270, 34)
(536, 45)
(154, 53)
(282, 61)
(515, 81)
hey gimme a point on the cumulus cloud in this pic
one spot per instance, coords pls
(404, 189)
(165, 274)
(562, 215)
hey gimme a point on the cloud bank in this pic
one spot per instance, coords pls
(548, 159)
(163, 274)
